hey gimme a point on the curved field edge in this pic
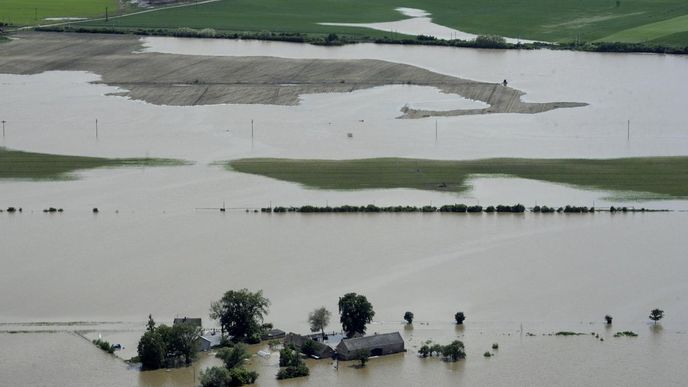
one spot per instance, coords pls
(663, 176)
(43, 166)
(544, 20)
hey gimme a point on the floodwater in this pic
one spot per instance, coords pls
(418, 23)
(156, 248)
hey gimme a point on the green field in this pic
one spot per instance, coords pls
(662, 176)
(42, 166)
(563, 20)
(32, 12)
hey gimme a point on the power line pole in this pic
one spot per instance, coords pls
(96, 128)
(3, 128)
(628, 131)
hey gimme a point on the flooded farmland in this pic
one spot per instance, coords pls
(160, 245)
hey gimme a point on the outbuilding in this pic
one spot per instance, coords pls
(375, 345)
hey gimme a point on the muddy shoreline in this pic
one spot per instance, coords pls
(185, 80)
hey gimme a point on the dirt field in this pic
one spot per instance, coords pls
(168, 79)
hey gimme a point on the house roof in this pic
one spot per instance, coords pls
(372, 341)
(187, 320)
(212, 339)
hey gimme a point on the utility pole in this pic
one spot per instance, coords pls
(3, 128)
(435, 131)
(96, 128)
(628, 131)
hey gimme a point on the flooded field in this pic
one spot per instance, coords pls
(159, 244)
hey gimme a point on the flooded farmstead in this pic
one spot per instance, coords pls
(220, 194)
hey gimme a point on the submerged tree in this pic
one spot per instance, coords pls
(233, 357)
(408, 316)
(319, 319)
(608, 318)
(656, 315)
(454, 351)
(240, 313)
(459, 317)
(355, 312)
(150, 325)
(362, 355)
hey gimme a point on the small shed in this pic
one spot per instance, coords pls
(376, 345)
(196, 322)
(209, 341)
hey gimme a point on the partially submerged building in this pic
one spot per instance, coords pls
(195, 322)
(375, 345)
(321, 350)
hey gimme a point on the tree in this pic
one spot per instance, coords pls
(150, 325)
(362, 355)
(241, 376)
(240, 313)
(295, 367)
(408, 316)
(608, 319)
(216, 377)
(233, 357)
(319, 319)
(459, 317)
(355, 312)
(184, 341)
(656, 315)
(151, 350)
(454, 351)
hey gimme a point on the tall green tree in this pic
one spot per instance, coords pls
(656, 315)
(184, 341)
(233, 357)
(354, 313)
(240, 313)
(151, 350)
(319, 319)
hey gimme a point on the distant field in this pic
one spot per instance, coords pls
(41, 166)
(651, 32)
(31, 12)
(563, 20)
(657, 175)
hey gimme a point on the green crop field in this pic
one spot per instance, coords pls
(32, 12)
(42, 166)
(663, 176)
(563, 20)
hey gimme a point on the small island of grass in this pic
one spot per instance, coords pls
(43, 166)
(661, 176)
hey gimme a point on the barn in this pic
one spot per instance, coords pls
(375, 345)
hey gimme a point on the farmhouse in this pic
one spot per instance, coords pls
(376, 345)
(322, 351)
(196, 322)
(209, 341)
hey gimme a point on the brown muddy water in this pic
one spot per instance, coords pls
(154, 248)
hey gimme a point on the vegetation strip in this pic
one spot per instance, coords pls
(43, 166)
(662, 176)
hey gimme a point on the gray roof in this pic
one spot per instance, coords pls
(372, 341)
(188, 320)
(214, 340)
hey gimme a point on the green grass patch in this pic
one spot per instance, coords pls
(654, 32)
(558, 21)
(42, 166)
(662, 176)
(32, 12)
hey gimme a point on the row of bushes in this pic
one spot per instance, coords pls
(461, 208)
(482, 41)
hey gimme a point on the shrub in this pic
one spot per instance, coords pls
(487, 354)
(216, 377)
(454, 351)
(459, 317)
(241, 376)
(495, 346)
(308, 347)
(490, 41)
(104, 345)
(293, 372)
